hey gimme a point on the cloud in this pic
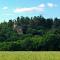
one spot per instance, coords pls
(51, 5)
(37, 8)
(5, 8)
(41, 5)
(23, 10)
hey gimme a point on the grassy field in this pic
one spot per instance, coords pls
(29, 55)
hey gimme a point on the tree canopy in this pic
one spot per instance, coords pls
(30, 34)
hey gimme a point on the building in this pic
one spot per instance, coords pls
(17, 28)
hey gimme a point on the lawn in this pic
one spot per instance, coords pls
(29, 55)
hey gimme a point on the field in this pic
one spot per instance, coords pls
(29, 55)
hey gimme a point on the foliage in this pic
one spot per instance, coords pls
(37, 33)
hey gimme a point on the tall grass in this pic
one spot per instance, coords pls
(29, 55)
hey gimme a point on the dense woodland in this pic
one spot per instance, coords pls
(30, 34)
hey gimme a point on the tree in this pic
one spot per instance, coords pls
(10, 24)
(57, 23)
(49, 23)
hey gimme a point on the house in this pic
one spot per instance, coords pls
(17, 28)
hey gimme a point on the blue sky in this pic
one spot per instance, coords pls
(11, 9)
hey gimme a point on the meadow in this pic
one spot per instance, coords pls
(29, 55)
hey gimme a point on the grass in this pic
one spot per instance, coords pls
(29, 55)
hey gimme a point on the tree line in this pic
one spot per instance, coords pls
(38, 34)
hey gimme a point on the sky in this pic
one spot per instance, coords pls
(11, 9)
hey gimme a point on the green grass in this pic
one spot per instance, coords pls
(22, 55)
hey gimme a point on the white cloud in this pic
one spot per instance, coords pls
(42, 5)
(5, 7)
(51, 5)
(23, 9)
(37, 8)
